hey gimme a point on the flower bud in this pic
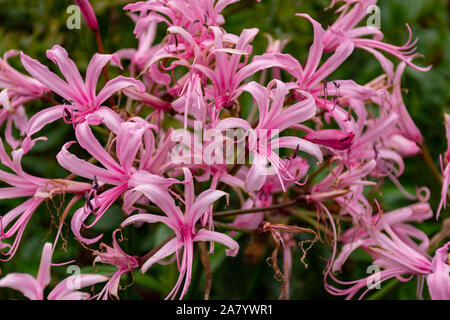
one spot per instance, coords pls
(88, 13)
(332, 138)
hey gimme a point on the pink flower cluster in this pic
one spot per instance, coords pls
(338, 141)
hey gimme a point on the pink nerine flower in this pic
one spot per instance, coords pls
(88, 13)
(394, 256)
(33, 288)
(344, 28)
(114, 256)
(122, 174)
(17, 90)
(274, 118)
(82, 96)
(359, 236)
(184, 226)
(342, 92)
(36, 189)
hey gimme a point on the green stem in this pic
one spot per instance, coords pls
(225, 226)
(429, 162)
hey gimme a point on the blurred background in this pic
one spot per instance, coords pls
(35, 26)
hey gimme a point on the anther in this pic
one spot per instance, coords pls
(88, 201)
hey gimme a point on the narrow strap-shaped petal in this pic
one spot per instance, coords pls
(48, 78)
(344, 50)
(444, 189)
(43, 276)
(439, 280)
(221, 59)
(380, 127)
(110, 119)
(24, 283)
(413, 237)
(189, 259)
(417, 212)
(221, 4)
(231, 180)
(393, 50)
(249, 221)
(188, 189)
(115, 85)
(129, 140)
(147, 98)
(257, 174)
(66, 288)
(345, 88)
(207, 72)
(295, 114)
(76, 224)
(346, 250)
(4, 101)
(141, 177)
(10, 139)
(69, 70)
(246, 36)
(261, 96)
(168, 249)
(385, 63)
(183, 33)
(232, 123)
(11, 215)
(83, 168)
(205, 235)
(14, 179)
(147, 218)
(202, 203)
(266, 61)
(4, 158)
(405, 121)
(43, 118)
(88, 141)
(94, 69)
(14, 192)
(277, 96)
(163, 200)
(17, 162)
(316, 49)
(302, 144)
(75, 295)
